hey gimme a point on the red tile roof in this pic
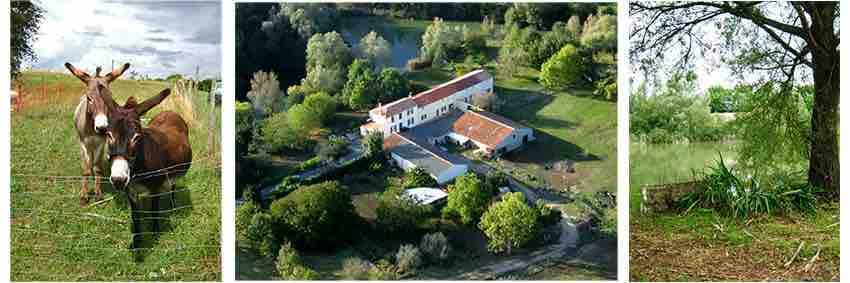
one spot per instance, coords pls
(481, 128)
(448, 88)
(397, 106)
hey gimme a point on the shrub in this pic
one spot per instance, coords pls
(606, 88)
(316, 216)
(496, 179)
(260, 234)
(548, 216)
(509, 223)
(290, 267)
(355, 268)
(467, 200)
(335, 147)
(308, 164)
(418, 178)
(722, 190)
(244, 214)
(278, 134)
(321, 105)
(373, 145)
(383, 270)
(563, 70)
(244, 126)
(408, 258)
(397, 213)
(287, 186)
(435, 246)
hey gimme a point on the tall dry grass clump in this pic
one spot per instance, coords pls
(180, 102)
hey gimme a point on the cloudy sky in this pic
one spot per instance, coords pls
(156, 38)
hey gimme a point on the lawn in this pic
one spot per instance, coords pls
(702, 245)
(53, 238)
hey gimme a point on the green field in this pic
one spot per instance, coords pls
(53, 238)
(703, 245)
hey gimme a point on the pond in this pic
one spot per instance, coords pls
(404, 36)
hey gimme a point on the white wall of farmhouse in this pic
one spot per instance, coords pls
(417, 115)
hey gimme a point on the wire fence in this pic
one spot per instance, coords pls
(37, 232)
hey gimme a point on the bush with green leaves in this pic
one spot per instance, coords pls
(244, 126)
(290, 267)
(260, 234)
(397, 213)
(383, 270)
(548, 216)
(408, 258)
(335, 147)
(373, 145)
(606, 88)
(435, 246)
(322, 105)
(244, 215)
(722, 190)
(565, 69)
(316, 216)
(495, 179)
(468, 197)
(308, 164)
(287, 186)
(278, 134)
(355, 268)
(509, 223)
(418, 177)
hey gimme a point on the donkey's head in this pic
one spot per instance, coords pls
(124, 136)
(98, 95)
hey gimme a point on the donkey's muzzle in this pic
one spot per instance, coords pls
(100, 123)
(120, 173)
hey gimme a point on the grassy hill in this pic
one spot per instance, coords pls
(53, 238)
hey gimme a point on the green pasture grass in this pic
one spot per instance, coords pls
(53, 238)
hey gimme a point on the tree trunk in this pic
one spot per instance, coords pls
(823, 160)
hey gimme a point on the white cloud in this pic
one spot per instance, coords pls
(157, 38)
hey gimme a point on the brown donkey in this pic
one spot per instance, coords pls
(147, 158)
(91, 118)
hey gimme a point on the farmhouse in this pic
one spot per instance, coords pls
(415, 126)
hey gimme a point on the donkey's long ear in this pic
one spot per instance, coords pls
(83, 76)
(111, 76)
(146, 105)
